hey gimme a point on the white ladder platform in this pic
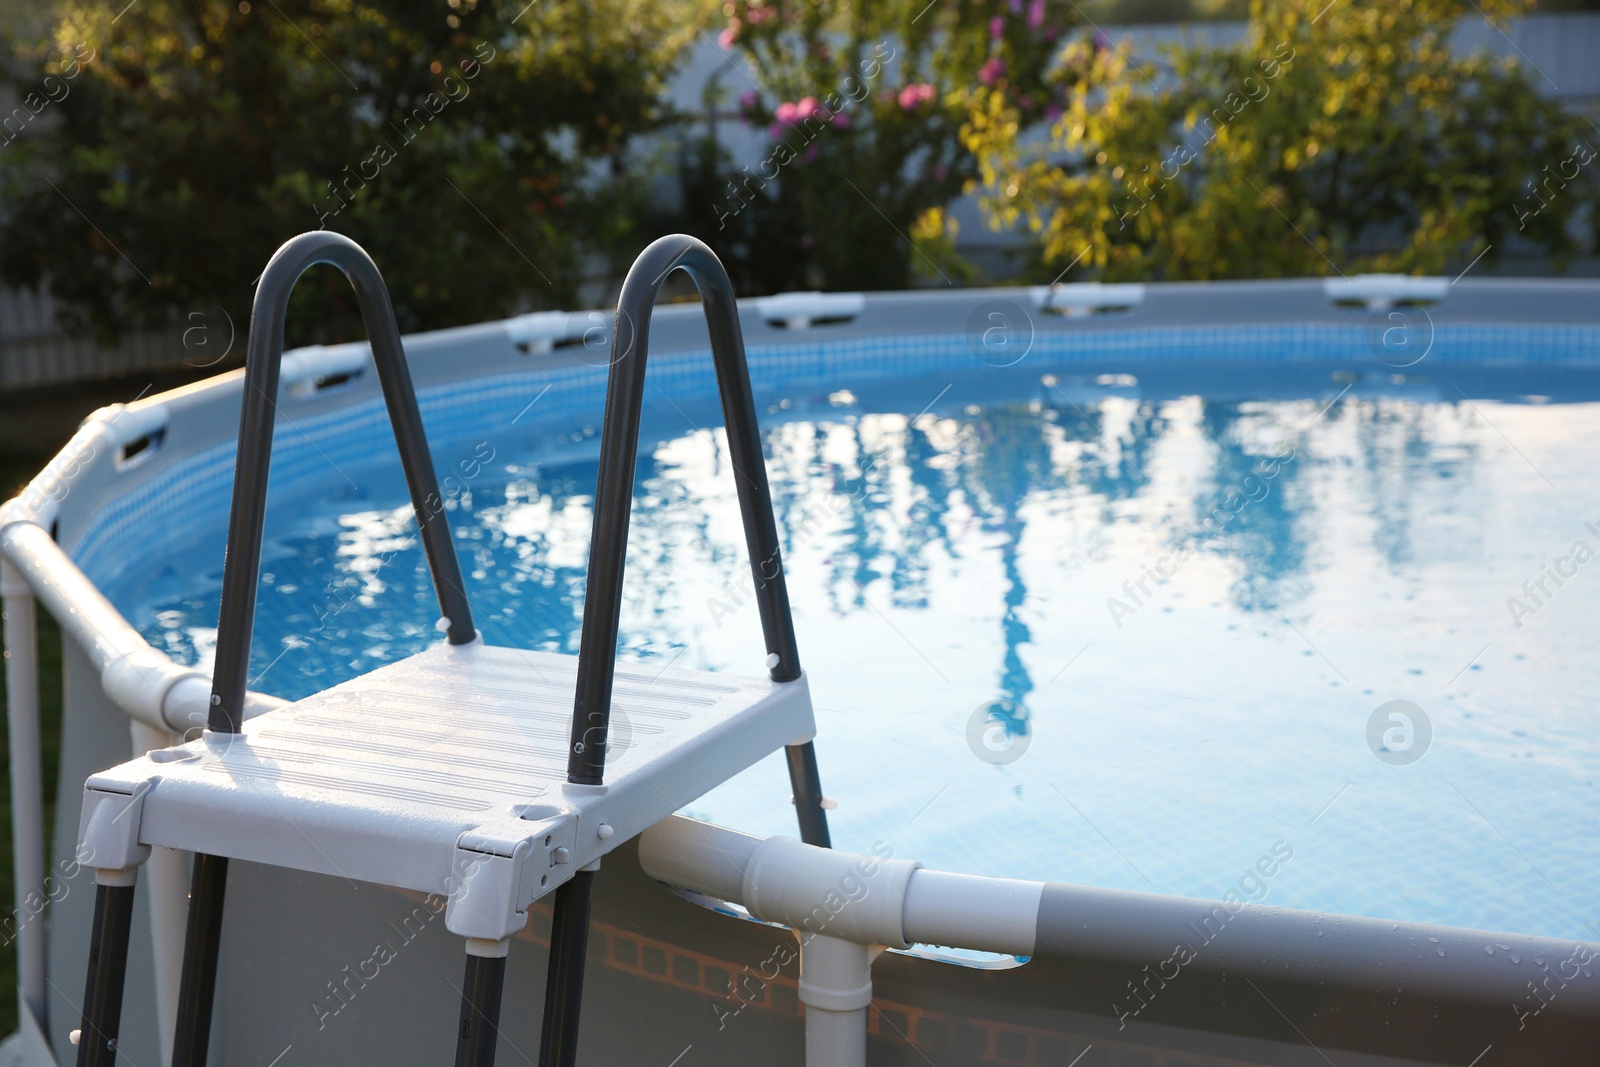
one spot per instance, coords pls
(445, 773)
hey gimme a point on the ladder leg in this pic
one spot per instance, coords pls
(480, 1008)
(202, 941)
(108, 967)
(563, 991)
(806, 782)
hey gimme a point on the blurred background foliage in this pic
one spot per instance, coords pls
(1355, 142)
(469, 145)
(863, 105)
(498, 156)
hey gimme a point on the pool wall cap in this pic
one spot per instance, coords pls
(1081, 299)
(797, 311)
(1383, 290)
(303, 369)
(541, 330)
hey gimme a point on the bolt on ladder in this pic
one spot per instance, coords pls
(460, 799)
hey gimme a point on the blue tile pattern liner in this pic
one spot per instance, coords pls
(198, 486)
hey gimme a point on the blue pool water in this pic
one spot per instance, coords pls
(1034, 540)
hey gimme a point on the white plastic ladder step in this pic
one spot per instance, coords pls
(445, 773)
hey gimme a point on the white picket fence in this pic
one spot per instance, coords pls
(34, 350)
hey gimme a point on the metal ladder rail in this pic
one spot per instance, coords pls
(602, 604)
(241, 576)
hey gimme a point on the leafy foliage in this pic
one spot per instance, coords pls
(863, 103)
(457, 142)
(1335, 137)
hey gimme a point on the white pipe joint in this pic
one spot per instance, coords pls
(820, 891)
(145, 679)
(836, 988)
(846, 908)
(836, 975)
(972, 911)
(866, 899)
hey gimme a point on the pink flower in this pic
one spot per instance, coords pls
(1052, 113)
(786, 113)
(992, 71)
(747, 100)
(728, 36)
(997, 27)
(915, 95)
(806, 107)
(1036, 14)
(757, 15)
(841, 120)
(812, 153)
(1016, 7)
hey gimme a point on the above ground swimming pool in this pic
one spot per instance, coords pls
(1116, 608)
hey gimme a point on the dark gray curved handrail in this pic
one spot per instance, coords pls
(602, 603)
(242, 566)
(246, 519)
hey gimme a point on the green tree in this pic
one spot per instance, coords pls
(1335, 137)
(863, 101)
(164, 150)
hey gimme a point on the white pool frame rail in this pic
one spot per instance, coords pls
(163, 700)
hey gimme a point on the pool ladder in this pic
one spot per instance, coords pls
(214, 796)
